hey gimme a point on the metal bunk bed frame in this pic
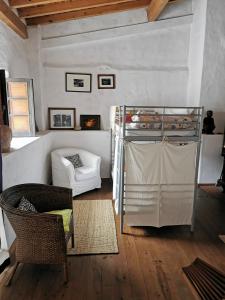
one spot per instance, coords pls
(182, 139)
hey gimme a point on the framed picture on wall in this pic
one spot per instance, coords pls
(78, 82)
(90, 122)
(61, 118)
(106, 81)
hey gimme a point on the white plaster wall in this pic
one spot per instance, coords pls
(213, 78)
(36, 72)
(28, 164)
(196, 50)
(13, 53)
(151, 67)
(92, 24)
(211, 161)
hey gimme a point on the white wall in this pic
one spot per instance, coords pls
(211, 161)
(213, 78)
(150, 60)
(196, 50)
(36, 72)
(28, 164)
(13, 53)
(147, 73)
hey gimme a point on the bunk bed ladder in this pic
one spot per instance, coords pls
(122, 165)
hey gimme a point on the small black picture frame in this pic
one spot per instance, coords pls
(106, 81)
(90, 122)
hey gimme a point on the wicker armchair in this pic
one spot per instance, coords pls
(40, 238)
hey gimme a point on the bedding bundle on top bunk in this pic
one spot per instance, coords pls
(184, 119)
(155, 122)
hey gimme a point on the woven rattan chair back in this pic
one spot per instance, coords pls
(40, 237)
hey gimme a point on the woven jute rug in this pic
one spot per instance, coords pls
(95, 229)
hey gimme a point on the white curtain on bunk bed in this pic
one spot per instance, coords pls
(159, 181)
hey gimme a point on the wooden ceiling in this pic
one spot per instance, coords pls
(36, 12)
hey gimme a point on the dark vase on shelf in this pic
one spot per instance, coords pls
(6, 137)
(5, 131)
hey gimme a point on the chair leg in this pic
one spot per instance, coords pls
(72, 240)
(65, 267)
(10, 273)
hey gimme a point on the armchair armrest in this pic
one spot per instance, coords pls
(90, 159)
(68, 169)
(62, 170)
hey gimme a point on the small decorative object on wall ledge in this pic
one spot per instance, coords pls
(61, 118)
(90, 122)
(208, 123)
(106, 81)
(78, 82)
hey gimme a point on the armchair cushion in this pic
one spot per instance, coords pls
(66, 215)
(25, 205)
(85, 173)
(75, 160)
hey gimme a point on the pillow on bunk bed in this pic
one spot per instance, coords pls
(135, 118)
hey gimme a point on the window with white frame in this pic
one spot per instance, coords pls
(21, 107)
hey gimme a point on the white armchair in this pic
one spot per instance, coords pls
(81, 179)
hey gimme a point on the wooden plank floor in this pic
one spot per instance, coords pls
(147, 267)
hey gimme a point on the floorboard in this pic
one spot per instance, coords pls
(148, 266)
